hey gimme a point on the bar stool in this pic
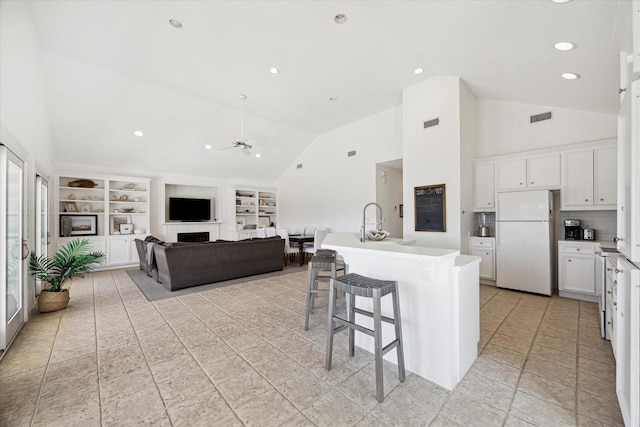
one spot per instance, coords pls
(357, 285)
(323, 260)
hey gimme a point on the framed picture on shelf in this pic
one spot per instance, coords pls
(263, 221)
(116, 221)
(78, 225)
(70, 207)
(86, 207)
(126, 228)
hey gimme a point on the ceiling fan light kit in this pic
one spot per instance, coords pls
(241, 142)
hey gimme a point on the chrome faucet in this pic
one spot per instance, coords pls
(363, 235)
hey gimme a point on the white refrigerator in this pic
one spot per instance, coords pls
(524, 241)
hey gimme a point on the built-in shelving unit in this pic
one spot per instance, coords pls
(254, 209)
(110, 211)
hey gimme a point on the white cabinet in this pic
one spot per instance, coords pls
(122, 250)
(541, 171)
(105, 209)
(589, 179)
(484, 187)
(484, 247)
(577, 270)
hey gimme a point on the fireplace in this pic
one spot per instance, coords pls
(194, 237)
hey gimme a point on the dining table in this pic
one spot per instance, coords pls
(300, 239)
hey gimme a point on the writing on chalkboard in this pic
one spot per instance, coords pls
(430, 208)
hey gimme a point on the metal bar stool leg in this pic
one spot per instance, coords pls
(332, 325)
(377, 338)
(398, 326)
(310, 294)
(351, 317)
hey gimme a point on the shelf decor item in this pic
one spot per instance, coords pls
(70, 207)
(72, 260)
(81, 225)
(84, 183)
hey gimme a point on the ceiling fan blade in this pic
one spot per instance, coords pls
(225, 148)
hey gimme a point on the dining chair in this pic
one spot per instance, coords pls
(309, 231)
(318, 237)
(271, 231)
(289, 252)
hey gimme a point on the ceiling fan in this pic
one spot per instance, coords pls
(246, 145)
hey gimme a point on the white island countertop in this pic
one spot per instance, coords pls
(439, 302)
(392, 247)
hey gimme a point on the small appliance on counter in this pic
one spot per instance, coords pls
(588, 234)
(572, 229)
(484, 227)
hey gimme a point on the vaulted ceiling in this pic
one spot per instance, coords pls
(114, 67)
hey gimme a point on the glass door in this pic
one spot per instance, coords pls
(43, 234)
(12, 245)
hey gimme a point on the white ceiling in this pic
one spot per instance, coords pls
(113, 67)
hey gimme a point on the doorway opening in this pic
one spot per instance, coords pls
(389, 185)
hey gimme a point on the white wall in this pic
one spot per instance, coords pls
(432, 156)
(503, 127)
(24, 118)
(331, 189)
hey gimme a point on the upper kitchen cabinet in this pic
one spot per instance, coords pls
(589, 179)
(484, 187)
(531, 172)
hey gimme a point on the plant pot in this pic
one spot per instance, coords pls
(53, 301)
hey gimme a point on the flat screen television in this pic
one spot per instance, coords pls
(184, 209)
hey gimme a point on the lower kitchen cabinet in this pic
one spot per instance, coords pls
(577, 270)
(484, 247)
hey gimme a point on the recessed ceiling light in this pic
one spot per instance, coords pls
(138, 133)
(418, 71)
(208, 147)
(258, 155)
(570, 76)
(565, 45)
(175, 23)
(333, 98)
(560, 1)
(340, 18)
(274, 70)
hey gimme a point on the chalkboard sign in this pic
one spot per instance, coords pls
(430, 208)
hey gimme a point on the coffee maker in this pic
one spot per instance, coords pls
(572, 229)
(484, 225)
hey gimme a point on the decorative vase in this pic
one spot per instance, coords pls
(53, 301)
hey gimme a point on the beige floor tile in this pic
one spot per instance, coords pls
(596, 386)
(599, 408)
(203, 410)
(503, 355)
(561, 358)
(517, 333)
(271, 408)
(486, 390)
(552, 371)
(78, 408)
(546, 389)
(555, 343)
(496, 371)
(604, 370)
(465, 409)
(334, 408)
(540, 412)
(240, 389)
(512, 421)
(144, 408)
(510, 343)
(597, 353)
(78, 373)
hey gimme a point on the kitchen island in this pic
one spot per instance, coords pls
(439, 303)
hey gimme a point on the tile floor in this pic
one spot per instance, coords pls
(239, 356)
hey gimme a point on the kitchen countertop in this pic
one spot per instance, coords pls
(609, 244)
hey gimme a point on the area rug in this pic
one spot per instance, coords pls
(154, 291)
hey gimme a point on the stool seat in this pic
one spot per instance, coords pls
(362, 286)
(353, 285)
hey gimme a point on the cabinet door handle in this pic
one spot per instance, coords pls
(609, 322)
(532, 182)
(586, 200)
(602, 200)
(569, 260)
(609, 292)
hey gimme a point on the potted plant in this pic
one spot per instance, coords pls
(72, 260)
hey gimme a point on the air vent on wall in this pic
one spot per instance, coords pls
(351, 153)
(299, 166)
(540, 117)
(432, 122)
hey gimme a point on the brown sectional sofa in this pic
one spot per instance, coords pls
(183, 265)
